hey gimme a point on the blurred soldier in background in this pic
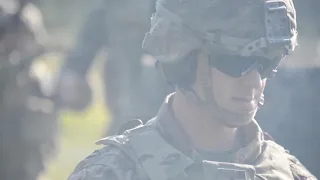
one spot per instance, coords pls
(133, 89)
(28, 123)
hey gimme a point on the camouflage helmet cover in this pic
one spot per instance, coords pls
(239, 27)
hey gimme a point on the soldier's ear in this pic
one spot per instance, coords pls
(182, 72)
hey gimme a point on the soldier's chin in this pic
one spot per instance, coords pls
(234, 120)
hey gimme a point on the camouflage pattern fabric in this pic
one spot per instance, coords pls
(172, 36)
(271, 161)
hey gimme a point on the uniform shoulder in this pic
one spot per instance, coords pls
(299, 171)
(117, 160)
(107, 163)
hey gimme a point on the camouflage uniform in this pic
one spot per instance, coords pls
(161, 149)
(28, 122)
(111, 162)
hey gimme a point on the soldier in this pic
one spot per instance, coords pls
(28, 122)
(118, 26)
(219, 55)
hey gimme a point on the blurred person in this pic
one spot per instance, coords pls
(133, 89)
(219, 54)
(28, 122)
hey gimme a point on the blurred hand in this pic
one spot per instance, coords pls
(73, 91)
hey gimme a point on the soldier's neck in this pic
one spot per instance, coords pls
(205, 132)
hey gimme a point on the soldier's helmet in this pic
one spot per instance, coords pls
(263, 29)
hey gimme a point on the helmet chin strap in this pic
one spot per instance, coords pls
(261, 101)
(228, 118)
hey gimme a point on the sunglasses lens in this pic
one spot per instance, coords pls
(237, 66)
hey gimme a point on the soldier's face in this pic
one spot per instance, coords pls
(238, 95)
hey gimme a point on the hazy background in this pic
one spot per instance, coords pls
(79, 131)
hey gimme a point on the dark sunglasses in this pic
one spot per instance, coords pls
(237, 66)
